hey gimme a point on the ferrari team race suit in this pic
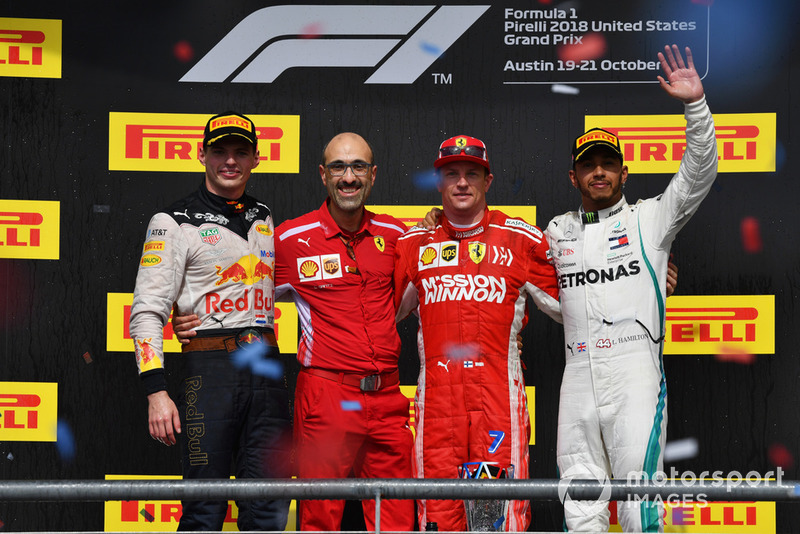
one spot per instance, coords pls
(612, 268)
(351, 419)
(215, 258)
(469, 288)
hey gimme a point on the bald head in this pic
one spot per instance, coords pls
(348, 143)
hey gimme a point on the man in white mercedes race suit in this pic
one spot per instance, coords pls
(611, 260)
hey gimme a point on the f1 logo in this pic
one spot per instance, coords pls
(285, 30)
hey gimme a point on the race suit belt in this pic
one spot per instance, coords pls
(230, 342)
(364, 383)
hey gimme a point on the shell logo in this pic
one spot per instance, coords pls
(428, 256)
(309, 269)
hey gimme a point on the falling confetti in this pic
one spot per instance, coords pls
(311, 31)
(65, 443)
(252, 356)
(147, 515)
(183, 51)
(430, 48)
(681, 449)
(425, 180)
(592, 46)
(751, 235)
(731, 354)
(562, 89)
(87, 357)
(780, 456)
(350, 406)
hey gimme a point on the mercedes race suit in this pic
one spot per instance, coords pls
(469, 287)
(612, 267)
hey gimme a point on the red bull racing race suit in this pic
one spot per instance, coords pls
(469, 287)
(612, 268)
(215, 258)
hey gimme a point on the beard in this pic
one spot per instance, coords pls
(350, 203)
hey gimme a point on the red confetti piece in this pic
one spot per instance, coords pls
(311, 31)
(592, 46)
(780, 456)
(731, 354)
(751, 235)
(183, 51)
(87, 357)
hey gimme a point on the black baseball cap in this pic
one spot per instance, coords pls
(229, 123)
(594, 138)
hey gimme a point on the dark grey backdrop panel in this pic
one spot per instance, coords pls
(119, 58)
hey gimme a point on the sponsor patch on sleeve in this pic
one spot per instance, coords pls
(516, 223)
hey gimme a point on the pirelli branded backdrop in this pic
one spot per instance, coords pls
(102, 106)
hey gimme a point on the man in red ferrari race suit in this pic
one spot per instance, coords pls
(211, 255)
(468, 281)
(349, 414)
(611, 258)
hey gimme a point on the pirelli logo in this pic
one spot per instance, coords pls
(171, 142)
(163, 516)
(746, 142)
(720, 324)
(118, 334)
(711, 516)
(411, 215)
(30, 48)
(28, 411)
(30, 229)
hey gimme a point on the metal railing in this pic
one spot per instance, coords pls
(359, 489)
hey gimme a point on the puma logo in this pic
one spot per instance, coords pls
(176, 213)
(304, 241)
(444, 365)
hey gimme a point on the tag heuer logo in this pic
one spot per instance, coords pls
(210, 236)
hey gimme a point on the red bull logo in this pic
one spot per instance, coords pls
(247, 270)
(145, 354)
(216, 303)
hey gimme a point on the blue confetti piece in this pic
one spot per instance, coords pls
(350, 406)
(267, 368)
(65, 443)
(426, 180)
(430, 48)
(249, 354)
(499, 523)
(797, 490)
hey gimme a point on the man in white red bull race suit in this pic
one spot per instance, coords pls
(468, 280)
(611, 259)
(211, 254)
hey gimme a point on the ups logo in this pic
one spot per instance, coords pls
(449, 253)
(331, 266)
